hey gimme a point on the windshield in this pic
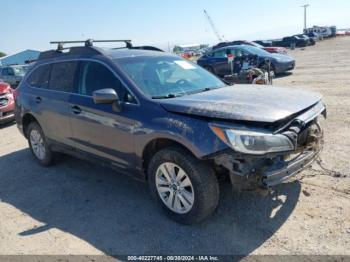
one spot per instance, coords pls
(255, 51)
(168, 76)
(19, 70)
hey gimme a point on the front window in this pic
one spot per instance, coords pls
(168, 76)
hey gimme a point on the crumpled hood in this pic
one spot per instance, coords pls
(244, 102)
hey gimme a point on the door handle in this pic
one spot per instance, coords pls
(76, 110)
(38, 100)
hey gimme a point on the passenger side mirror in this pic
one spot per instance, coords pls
(107, 96)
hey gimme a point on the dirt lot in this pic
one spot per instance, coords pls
(77, 208)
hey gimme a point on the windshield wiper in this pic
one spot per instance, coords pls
(165, 96)
(201, 90)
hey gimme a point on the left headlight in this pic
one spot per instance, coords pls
(255, 143)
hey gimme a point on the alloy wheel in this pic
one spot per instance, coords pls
(174, 188)
(37, 143)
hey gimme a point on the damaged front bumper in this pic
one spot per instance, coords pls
(248, 172)
(287, 170)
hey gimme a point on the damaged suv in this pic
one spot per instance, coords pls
(167, 121)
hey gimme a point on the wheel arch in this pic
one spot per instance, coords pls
(158, 144)
(26, 120)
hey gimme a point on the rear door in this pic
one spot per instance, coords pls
(99, 129)
(50, 99)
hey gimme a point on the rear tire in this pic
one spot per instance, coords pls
(38, 145)
(185, 204)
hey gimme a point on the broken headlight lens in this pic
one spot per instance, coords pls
(255, 143)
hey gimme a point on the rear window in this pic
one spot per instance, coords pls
(62, 77)
(39, 77)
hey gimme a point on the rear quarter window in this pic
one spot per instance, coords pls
(39, 77)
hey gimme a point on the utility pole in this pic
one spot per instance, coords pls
(305, 7)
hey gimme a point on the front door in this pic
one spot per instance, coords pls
(98, 128)
(220, 62)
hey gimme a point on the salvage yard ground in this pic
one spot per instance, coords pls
(77, 208)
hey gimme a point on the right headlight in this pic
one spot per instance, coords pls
(255, 143)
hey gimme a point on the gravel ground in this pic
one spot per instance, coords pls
(77, 208)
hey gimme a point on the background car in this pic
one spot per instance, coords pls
(217, 63)
(333, 30)
(289, 41)
(7, 103)
(314, 36)
(13, 74)
(326, 32)
(265, 43)
(310, 40)
(270, 49)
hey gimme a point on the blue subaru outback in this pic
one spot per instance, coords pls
(167, 121)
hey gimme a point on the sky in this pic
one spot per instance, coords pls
(32, 24)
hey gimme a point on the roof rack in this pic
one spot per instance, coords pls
(89, 43)
(87, 49)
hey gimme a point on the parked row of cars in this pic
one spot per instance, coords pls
(215, 60)
(309, 37)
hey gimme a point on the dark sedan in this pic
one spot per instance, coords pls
(270, 49)
(289, 41)
(311, 40)
(216, 61)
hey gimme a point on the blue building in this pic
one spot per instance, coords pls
(19, 58)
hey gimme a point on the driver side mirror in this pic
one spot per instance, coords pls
(107, 96)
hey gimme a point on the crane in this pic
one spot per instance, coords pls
(216, 32)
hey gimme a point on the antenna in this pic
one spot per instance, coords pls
(216, 32)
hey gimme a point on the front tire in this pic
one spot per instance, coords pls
(38, 145)
(209, 69)
(184, 187)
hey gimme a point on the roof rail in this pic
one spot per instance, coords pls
(89, 43)
(147, 47)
